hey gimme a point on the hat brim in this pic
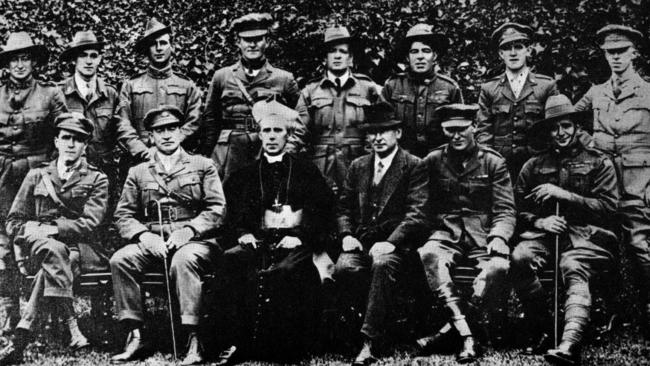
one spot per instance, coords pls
(142, 44)
(69, 53)
(538, 133)
(456, 123)
(616, 44)
(439, 42)
(253, 33)
(75, 130)
(381, 126)
(513, 39)
(38, 51)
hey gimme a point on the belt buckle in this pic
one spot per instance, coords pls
(250, 124)
(170, 213)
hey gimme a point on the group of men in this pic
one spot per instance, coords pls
(343, 167)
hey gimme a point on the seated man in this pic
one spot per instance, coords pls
(380, 214)
(582, 181)
(183, 192)
(51, 223)
(279, 210)
(473, 212)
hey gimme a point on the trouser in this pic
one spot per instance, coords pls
(373, 278)
(274, 307)
(636, 224)
(188, 265)
(56, 266)
(577, 266)
(439, 258)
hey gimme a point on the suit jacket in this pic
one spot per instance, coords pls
(401, 213)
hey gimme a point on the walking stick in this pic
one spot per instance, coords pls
(556, 280)
(169, 294)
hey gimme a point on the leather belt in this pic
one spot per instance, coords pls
(247, 123)
(170, 213)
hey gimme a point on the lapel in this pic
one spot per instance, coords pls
(177, 168)
(473, 163)
(528, 86)
(629, 88)
(506, 91)
(77, 174)
(264, 73)
(391, 179)
(365, 179)
(53, 173)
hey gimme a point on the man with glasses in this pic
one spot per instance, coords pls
(621, 128)
(473, 212)
(511, 102)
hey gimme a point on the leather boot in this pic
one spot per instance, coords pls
(12, 316)
(194, 351)
(134, 349)
(536, 320)
(12, 353)
(576, 317)
(439, 342)
(468, 351)
(566, 353)
(366, 355)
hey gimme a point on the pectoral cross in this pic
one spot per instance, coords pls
(277, 206)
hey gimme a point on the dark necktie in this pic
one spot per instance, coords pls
(338, 86)
(617, 88)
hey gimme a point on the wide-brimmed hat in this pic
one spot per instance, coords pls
(379, 117)
(455, 115)
(557, 107)
(21, 42)
(614, 36)
(511, 32)
(75, 122)
(153, 30)
(336, 35)
(82, 41)
(252, 25)
(162, 116)
(424, 33)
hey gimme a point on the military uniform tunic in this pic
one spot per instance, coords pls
(415, 101)
(332, 120)
(56, 260)
(230, 133)
(191, 196)
(503, 119)
(148, 91)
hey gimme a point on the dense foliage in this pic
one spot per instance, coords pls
(565, 32)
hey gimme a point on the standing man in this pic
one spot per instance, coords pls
(582, 181)
(89, 95)
(511, 102)
(473, 212)
(230, 131)
(281, 214)
(52, 221)
(416, 93)
(621, 108)
(186, 191)
(381, 216)
(331, 107)
(28, 108)
(159, 85)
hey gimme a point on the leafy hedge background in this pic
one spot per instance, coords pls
(565, 30)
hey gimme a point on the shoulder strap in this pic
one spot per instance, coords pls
(177, 196)
(52, 192)
(242, 89)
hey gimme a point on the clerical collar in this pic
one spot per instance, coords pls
(163, 73)
(24, 84)
(274, 158)
(65, 171)
(343, 78)
(386, 161)
(168, 161)
(85, 87)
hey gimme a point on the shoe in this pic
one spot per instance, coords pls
(78, 343)
(228, 356)
(439, 342)
(365, 356)
(134, 350)
(194, 353)
(10, 324)
(12, 353)
(538, 345)
(468, 352)
(565, 354)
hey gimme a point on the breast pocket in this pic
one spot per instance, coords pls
(150, 192)
(190, 185)
(479, 187)
(546, 175)
(354, 109)
(404, 104)
(439, 97)
(636, 173)
(141, 100)
(321, 111)
(579, 178)
(533, 111)
(501, 116)
(102, 123)
(176, 95)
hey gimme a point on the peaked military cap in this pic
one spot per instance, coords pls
(163, 116)
(153, 30)
(456, 114)
(75, 122)
(337, 35)
(252, 25)
(424, 33)
(21, 42)
(614, 36)
(511, 32)
(266, 108)
(82, 41)
(557, 107)
(379, 117)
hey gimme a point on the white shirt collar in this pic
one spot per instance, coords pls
(386, 161)
(65, 171)
(274, 159)
(168, 161)
(84, 86)
(518, 79)
(344, 78)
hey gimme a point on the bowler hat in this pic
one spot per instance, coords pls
(456, 114)
(153, 30)
(252, 25)
(511, 32)
(21, 42)
(557, 107)
(614, 36)
(379, 117)
(424, 33)
(163, 116)
(75, 122)
(82, 41)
